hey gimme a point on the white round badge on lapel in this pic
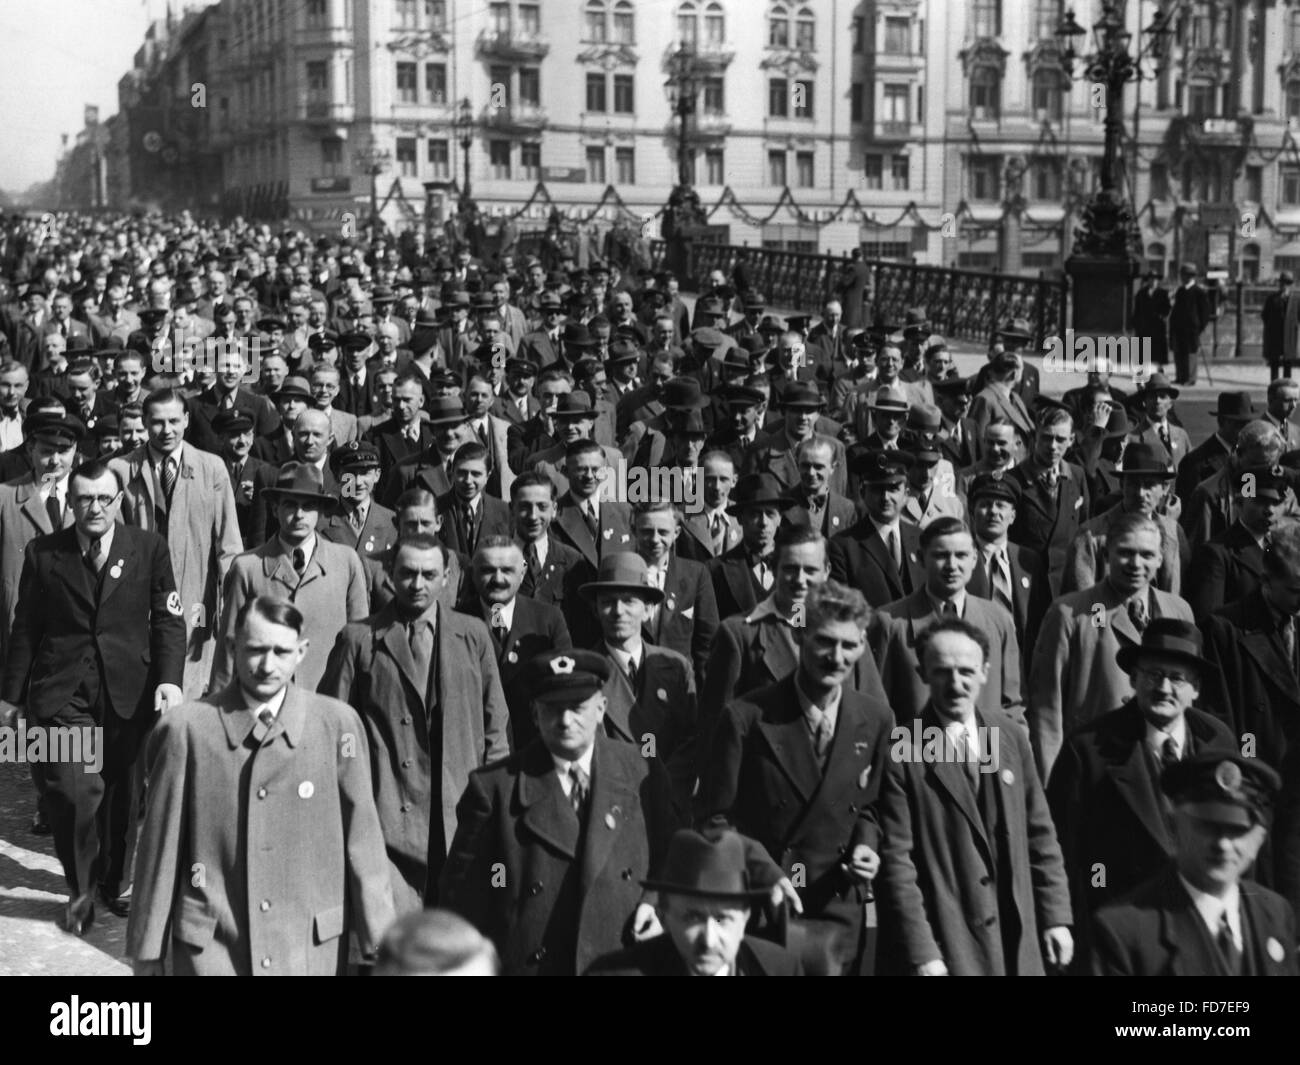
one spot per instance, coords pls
(1008, 777)
(1024, 582)
(116, 571)
(663, 695)
(370, 545)
(306, 789)
(609, 821)
(512, 657)
(609, 533)
(1275, 950)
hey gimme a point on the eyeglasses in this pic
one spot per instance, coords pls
(1177, 679)
(86, 502)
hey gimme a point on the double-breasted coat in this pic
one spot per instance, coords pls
(23, 518)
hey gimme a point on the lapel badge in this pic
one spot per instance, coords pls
(1008, 777)
(306, 789)
(370, 545)
(609, 820)
(1024, 582)
(1275, 950)
(671, 604)
(608, 533)
(835, 520)
(860, 746)
(512, 657)
(863, 777)
(116, 571)
(663, 695)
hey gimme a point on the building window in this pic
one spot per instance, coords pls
(1254, 184)
(714, 171)
(530, 86)
(596, 24)
(805, 31)
(435, 82)
(1250, 264)
(859, 32)
(1040, 260)
(985, 93)
(803, 99)
(501, 76)
(803, 170)
(1159, 181)
(1290, 186)
(899, 172)
(776, 169)
(406, 14)
(406, 83)
(1293, 30)
(499, 19)
(530, 162)
(984, 178)
(873, 171)
(1047, 17)
(1200, 101)
(688, 25)
(1045, 178)
(406, 164)
(715, 101)
(1048, 99)
(499, 160)
(331, 157)
(596, 93)
(530, 21)
(623, 94)
(895, 104)
(439, 156)
(318, 77)
(778, 28)
(435, 14)
(317, 11)
(715, 26)
(855, 102)
(596, 165)
(624, 23)
(898, 36)
(778, 98)
(625, 166)
(1293, 99)
(986, 18)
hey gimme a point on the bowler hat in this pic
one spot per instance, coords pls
(1146, 460)
(1170, 638)
(622, 571)
(915, 321)
(757, 490)
(300, 480)
(1223, 788)
(708, 864)
(1235, 406)
(293, 387)
(565, 676)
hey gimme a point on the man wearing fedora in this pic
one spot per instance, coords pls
(1188, 317)
(1157, 396)
(431, 468)
(424, 679)
(456, 340)
(291, 398)
(622, 368)
(706, 897)
(744, 573)
(932, 489)
(325, 580)
(1145, 477)
(359, 522)
(575, 419)
(880, 554)
(1200, 916)
(773, 450)
(1230, 565)
(1151, 307)
(1274, 314)
(185, 495)
(646, 442)
(1104, 790)
(568, 827)
(879, 420)
(797, 766)
(1073, 676)
(737, 426)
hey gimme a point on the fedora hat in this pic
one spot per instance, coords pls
(1017, 329)
(683, 393)
(757, 490)
(300, 480)
(446, 410)
(915, 321)
(573, 405)
(1146, 460)
(798, 395)
(577, 335)
(1155, 384)
(735, 361)
(771, 324)
(622, 571)
(687, 423)
(889, 398)
(924, 418)
(1117, 425)
(706, 864)
(1235, 406)
(1168, 638)
(293, 387)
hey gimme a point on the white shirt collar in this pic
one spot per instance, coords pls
(273, 704)
(1176, 729)
(959, 601)
(308, 548)
(1211, 908)
(624, 658)
(156, 460)
(885, 530)
(767, 609)
(806, 704)
(562, 768)
(106, 542)
(506, 610)
(57, 486)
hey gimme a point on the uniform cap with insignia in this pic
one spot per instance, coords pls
(355, 455)
(521, 367)
(1223, 788)
(708, 339)
(326, 341)
(355, 341)
(231, 421)
(994, 485)
(879, 467)
(1261, 482)
(54, 427)
(622, 571)
(565, 676)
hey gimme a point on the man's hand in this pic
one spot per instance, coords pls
(154, 967)
(645, 922)
(932, 968)
(783, 891)
(244, 494)
(167, 697)
(1101, 414)
(1058, 947)
(863, 863)
(9, 714)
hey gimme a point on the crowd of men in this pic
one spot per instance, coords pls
(411, 591)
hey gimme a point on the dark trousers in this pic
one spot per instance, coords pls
(1185, 363)
(93, 814)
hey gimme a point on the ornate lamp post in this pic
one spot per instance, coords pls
(374, 160)
(1107, 246)
(683, 213)
(465, 127)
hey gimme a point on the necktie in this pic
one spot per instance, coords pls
(581, 786)
(482, 434)
(499, 632)
(266, 717)
(467, 528)
(1050, 480)
(948, 609)
(54, 509)
(1000, 579)
(95, 555)
(534, 564)
(356, 519)
(718, 533)
(895, 553)
(356, 380)
(1163, 430)
(1228, 945)
(633, 673)
(822, 732)
(63, 329)
(593, 524)
(420, 639)
(169, 477)
(1137, 612)
(299, 561)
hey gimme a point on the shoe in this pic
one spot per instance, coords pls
(117, 905)
(80, 915)
(40, 824)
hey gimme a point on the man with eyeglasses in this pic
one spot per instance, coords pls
(98, 643)
(1104, 790)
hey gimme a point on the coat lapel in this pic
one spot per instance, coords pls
(788, 740)
(775, 652)
(29, 502)
(72, 567)
(547, 813)
(1191, 951)
(613, 806)
(570, 520)
(399, 648)
(951, 778)
(1265, 647)
(619, 701)
(1126, 764)
(122, 561)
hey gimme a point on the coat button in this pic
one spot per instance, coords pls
(266, 963)
(406, 806)
(265, 905)
(406, 721)
(985, 881)
(261, 793)
(406, 763)
(627, 874)
(535, 888)
(990, 922)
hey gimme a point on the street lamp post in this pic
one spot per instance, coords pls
(374, 160)
(682, 215)
(1107, 245)
(465, 127)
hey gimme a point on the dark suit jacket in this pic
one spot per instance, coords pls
(537, 347)
(1157, 931)
(968, 451)
(762, 776)
(838, 517)
(536, 627)
(132, 628)
(378, 535)
(688, 616)
(658, 957)
(1105, 802)
(276, 449)
(1151, 319)
(859, 559)
(735, 588)
(1049, 527)
(246, 471)
(564, 572)
(568, 896)
(570, 527)
(394, 446)
(494, 520)
(424, 469)
(773, 453)
(1030, 594)
(203, 408)
(1223, 570)
(1188, 318)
